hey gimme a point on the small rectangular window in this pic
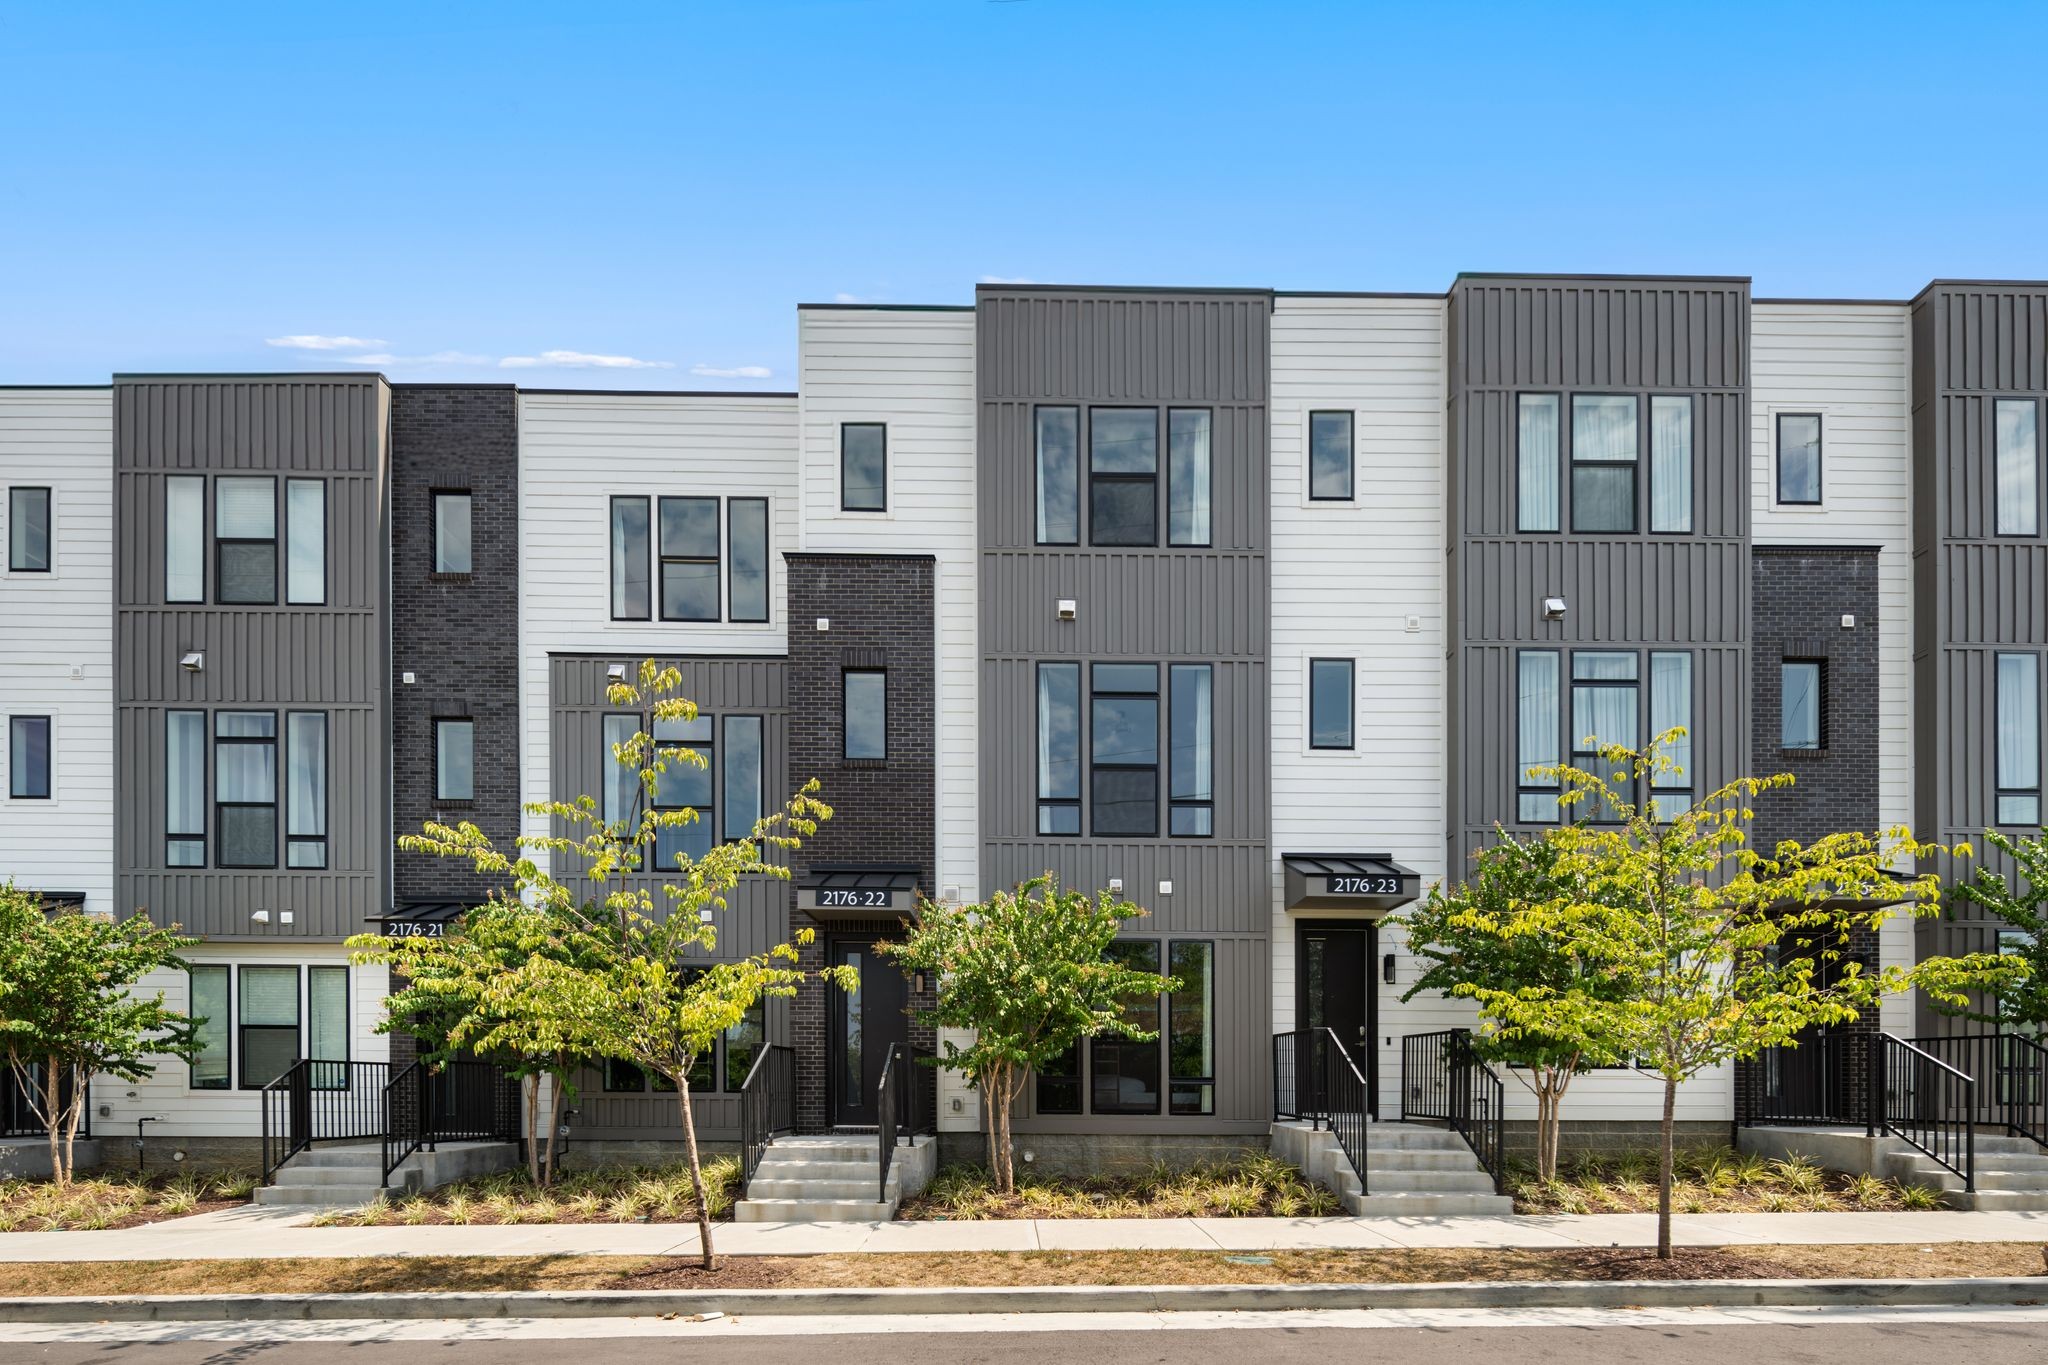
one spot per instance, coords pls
(1059, 1084)
(1059, 476)
(1536, 465)
(28, 758)
(1059, 753)
(1332, 460)
(1123, 476)
(245, 787)
(866, 695)
(2019, 467)
(305, 527)
(1605, 711)
(621, 779)
(2019, 739)
(741, 797)
(184, 538)
(1800, 693)
(454, 760)
(684, 785)
(1799, 458)
(327, 1026)
(1670, 464)
(1331, 703)
(245, 540)
(632, 597)
(1124, 1074)
(1123, 725)
(747, 529)
(28, 530)
(863, 467)
(1604, 453)
(1191, 724)
(451, 531)
(1191, 1027)
(1538, 708)
(208, 1005)
(269, 1023)
(185, 791)
(689, 559)
(1671, 709)
(305, 821)
(1187, 476)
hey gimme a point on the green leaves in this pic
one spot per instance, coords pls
(2018, 998)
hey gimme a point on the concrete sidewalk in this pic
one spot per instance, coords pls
(277, 1232)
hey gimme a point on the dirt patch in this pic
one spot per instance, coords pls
(97, 1203)
(1253, 1187)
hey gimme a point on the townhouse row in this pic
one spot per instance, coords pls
(1258, 606)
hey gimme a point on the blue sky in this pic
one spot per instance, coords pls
(455, 186)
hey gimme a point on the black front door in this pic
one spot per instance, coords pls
(864, 1023)
(1334, 975)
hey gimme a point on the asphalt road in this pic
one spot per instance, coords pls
(1991, 1339)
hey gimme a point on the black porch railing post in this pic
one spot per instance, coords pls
(1873, 1100)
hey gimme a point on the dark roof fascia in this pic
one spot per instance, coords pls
(885, 307)
(1599, 279)
(859, 554)
(1360, 294)
(277, 376)
(1933, 285)
(1256, 291)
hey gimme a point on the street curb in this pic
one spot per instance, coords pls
(622, 1303)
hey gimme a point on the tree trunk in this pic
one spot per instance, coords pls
(1546, 1128)
(532, 1088)
(988, 1123)
(73, 1112)
(1006, 1162)
(60, 1169)
(696, 1170)
(547, 1167)
(1664, 1164)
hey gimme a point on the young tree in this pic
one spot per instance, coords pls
(2020, 1002)
(69, 1009)
(634, 976)
(1688, 922)
(1029, 974)
(1466, 936)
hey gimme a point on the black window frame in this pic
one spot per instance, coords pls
(1151, 480)
(846, 676)
(722, 776)
(1560, 400)
(1820, 462)
(328, 1073)
(2032, 403)
(662, 559)
(1175, 804)
(1350, 744)
(2000, 792)
(1072, 1073)
(1646, 442)
(226, 1025)
(441, 798)
(284, 565)
(277, 781)
(630, 817)
(278, 568)
(434, 498)
(1525, 785)
(240, 1059)
(1096, 693)
(844, 505)
(1044, 802)
(284, 774)
(204, 837)
(1819, 665)
(1589, 760)
(1114, 1048)
(204, 533)
(732, 578)
(1038, 484)
(49, 519)
(1208, 482)
(1350, 416)
(1206, 1083)
(705, 826)
(646, 555)
(14, 765)
(1634, 465)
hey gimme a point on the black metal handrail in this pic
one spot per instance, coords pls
(2011, 1075)
(1813, 1082)
(21, 1110)
(767, 1105)
(1926, 1102)
(1298, 1075)
(885, 1117)
(459, 1101)
(315, 1101)
(1444, 1080)
(1346, 1101)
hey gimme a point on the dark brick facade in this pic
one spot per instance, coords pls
(881, 610)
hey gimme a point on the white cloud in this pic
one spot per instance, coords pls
(734, 372)
(437, 358)
(849, 298)
(1006, 279)
(320, 343)
(581, 360)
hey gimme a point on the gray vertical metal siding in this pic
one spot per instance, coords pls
(1159, 604)
(1638, 591)
(332, 658)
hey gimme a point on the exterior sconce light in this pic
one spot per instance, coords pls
(1066, 608)
(1116, 884)
(824, 623)
(192, 661)
(1166, 888)
(1387, 969)
(260, 917)
(1848, 621)
(1554, 608)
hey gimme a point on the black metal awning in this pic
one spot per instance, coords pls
(422, 919)
(1370, 882)
(857, 890)
(55, 902)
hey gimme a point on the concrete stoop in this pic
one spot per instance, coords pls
(832, 1179)
(2012, 1172)
(1411, 1169)
(350, 1175)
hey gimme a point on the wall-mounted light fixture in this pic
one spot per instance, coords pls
(1554, 608)
(1848, 621)
(259, 917)
(824, 623)
(408, 678)
(1116, 884)
(192, 661)
(1387, 969)
(1166, 888)
(1067, 608)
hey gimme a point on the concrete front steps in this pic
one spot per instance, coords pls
(2012, 1172)
(832, 1179)
(1411, 1170)
(349, 1175)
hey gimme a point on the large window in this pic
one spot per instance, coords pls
(1059, 476)
(1123, 724)
(454, 759)
(2019, 739)
(1536, 462)
(184, 538)
(185, 790)
(865, 693)
(305, 535)
(632, 598)
(305, 825)
(245, 540)
(327, 1026)
(1187, 476)
(1332, 463)
(1331, 705)
(210, 1069)
(1801, 705)
(1123, 476)
(1537, 708)
(28, 758)
(621, 805)
(1059, 749)
(2019, 467)
(863, 467)
(268, 1031)
(1670, 464)
(1191, 1027)
(722, 1067)
(245, 788)
(1671, 786)
(1604, 452)
(28, 530)
(684, 784)
(1604, 711)
(689, 559)
(451, 508)
(740, 791)
(1124, 1074)
(1799, 458)
(747, 531)
(1191, 722)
